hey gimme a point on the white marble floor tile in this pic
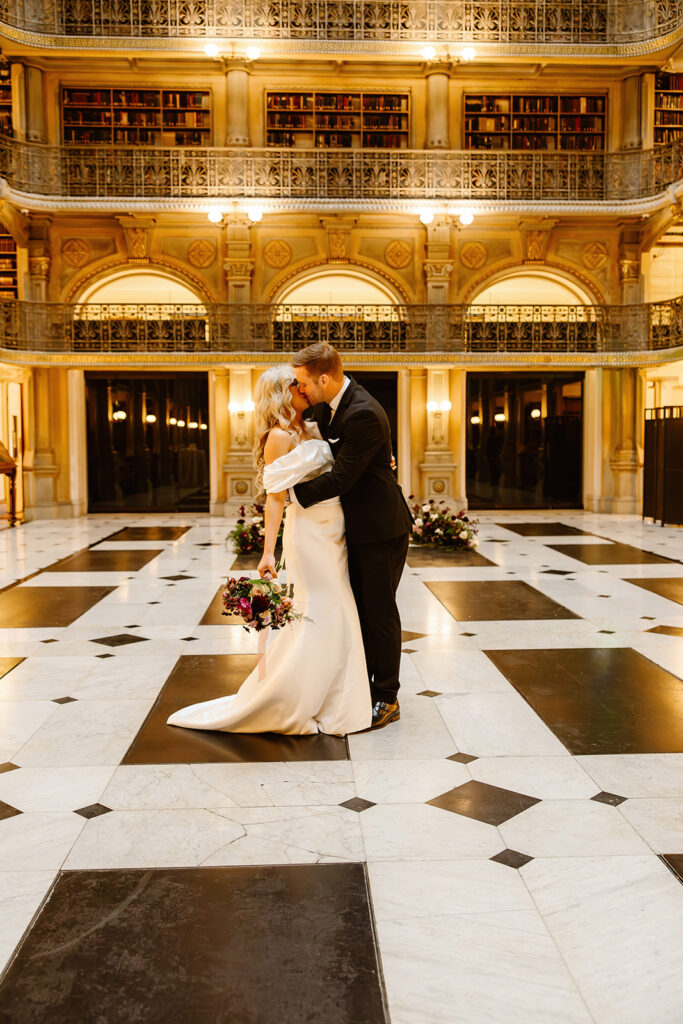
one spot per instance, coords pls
(21, 894)
(300, 834)
(618, 923)
(542, 777)
(636, 775)
(53, 789)
(658, 821)
(45, 678)
(405, 782)
(38, 842)
(162, 838)
(421, 832)
(463, 671)
(571, 828)
(85, 733)
(19, 721)
(496, 724)
(419, 731)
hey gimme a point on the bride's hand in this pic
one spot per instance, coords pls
(266, 567)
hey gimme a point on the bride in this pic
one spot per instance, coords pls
(313, 677)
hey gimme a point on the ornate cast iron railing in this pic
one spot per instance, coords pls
(317, 174)
(450, 21)
(29, 327)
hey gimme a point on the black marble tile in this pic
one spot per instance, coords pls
(93, 810)
(252, 559)
(544, 530)
(7, 664)
(609, 700)
(613, 799)
(104, 655)
(357, 803)
(94, 560)
(45, 607)
(489, 804)
(408, 637)
(608, 554)
(119, 640)
(199, 677)
(506, 599)
(52, 640)
(674, 862)
(213, 616)
(462, 758)
(423, 557)
(149, 533)
(291, 944)
(7, 811)
(555, 572)
(64, 700)
(666, 630)
(511, 858)
(429, 693)
(671, 589)
(7, 766)
(178, 576)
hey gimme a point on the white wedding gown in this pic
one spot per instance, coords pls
(314, 678)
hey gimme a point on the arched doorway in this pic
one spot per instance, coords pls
(524, 429)
(148, 431)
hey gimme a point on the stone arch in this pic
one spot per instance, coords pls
(394, 291)
(569, 287)
(82, 289)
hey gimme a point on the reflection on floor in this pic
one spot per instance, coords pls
(483, 859)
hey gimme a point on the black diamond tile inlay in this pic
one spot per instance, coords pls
(674, 862)
(478, 800)
(409, 650)
(357, 803)
(188, 638)
(610, 631)
(429, 693)
(52, 641)
(666, 630)
(468, 634)
(154, 602)
(92, 810)
(104, 655)
(7, 766)
(407, 636)
(555, 572)
(462, 758)
(64, 700)
(7, 811)
(119, 640)
(511, 858)
(178, 576)
(133, 625)
(608, 798)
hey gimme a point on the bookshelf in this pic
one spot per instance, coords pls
(510, 121)
(668, 123)
(5, 99)
(136, 117)
(338, 120)
(8, 267)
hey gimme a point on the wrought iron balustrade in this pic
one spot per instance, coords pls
(538, 22)
(224, 328)
(323, 174)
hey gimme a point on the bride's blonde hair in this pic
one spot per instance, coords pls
(273, 408)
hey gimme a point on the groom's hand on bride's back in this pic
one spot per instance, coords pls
(266, 567)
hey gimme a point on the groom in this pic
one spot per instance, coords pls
(378, 521)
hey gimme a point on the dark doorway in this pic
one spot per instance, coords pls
(524, 440)
(383, 387)
(148, 442)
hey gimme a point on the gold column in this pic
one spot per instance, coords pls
(238, 104)
(238, 465)
(437, 107)
(438, 466)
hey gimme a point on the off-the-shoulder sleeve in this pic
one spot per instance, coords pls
(306, 460)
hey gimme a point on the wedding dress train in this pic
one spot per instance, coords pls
(314, 678)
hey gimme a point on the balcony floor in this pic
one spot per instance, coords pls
(507, 852)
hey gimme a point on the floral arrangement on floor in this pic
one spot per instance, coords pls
(438, 525)
(260, 603)
(248, 534)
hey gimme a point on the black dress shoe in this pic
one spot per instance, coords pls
(383, 713)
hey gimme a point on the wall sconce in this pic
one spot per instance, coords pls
(467, 53)
(253, 52)
(192, 425)
(475, 420)
(500, 417)
(429, 53)
(180, 423)
(150, 418)
(211, 50)
(254, 213)
(426, 217)
(119, 414)
(535, 414)
(437, 410)
(466, 217)
(172, 421)
(438, 406)
(203, 426)
(215, 215)
(241, 407)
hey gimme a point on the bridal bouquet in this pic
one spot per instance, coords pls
(438, 525)
(248, 534)
(260, 603)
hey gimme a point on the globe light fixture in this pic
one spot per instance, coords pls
(181, 423)
(429, 53)
(445, 406)
(432, 406)
(466, 217)
(203, 426)
(500, 417)
(467, 53)
(215, 216)
(193, 425)
(535, 414)
(253, 52)
(475, 420)
(254, 213)
(426, 217)
(150, 418)
(211, 50)
(249, 406)
(173, 421)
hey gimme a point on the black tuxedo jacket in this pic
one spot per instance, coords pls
(360, 439)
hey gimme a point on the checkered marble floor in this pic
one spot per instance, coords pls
(520, 828)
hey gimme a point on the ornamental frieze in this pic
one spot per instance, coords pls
(76, 252)
(201, 253)
(473, 255)
(398, 254)
(594, 254)
(277, 253)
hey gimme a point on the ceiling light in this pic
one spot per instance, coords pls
(215, 216)
(253, 52)
(468, 53)
(254, 213)
(150, 418)
(203, 426)
(426, 217)
(181, 423)
(500, 417)
(466, 217)
(429, 53)
(211, 50)
(193, 425)
(475, 420)
(535, 414)
(173, 421)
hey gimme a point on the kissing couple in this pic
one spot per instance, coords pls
(323, 444)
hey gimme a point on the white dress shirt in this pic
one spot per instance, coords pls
(334, 402)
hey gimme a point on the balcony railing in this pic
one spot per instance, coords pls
(615, 22)
(109, 172)
(223, 328)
